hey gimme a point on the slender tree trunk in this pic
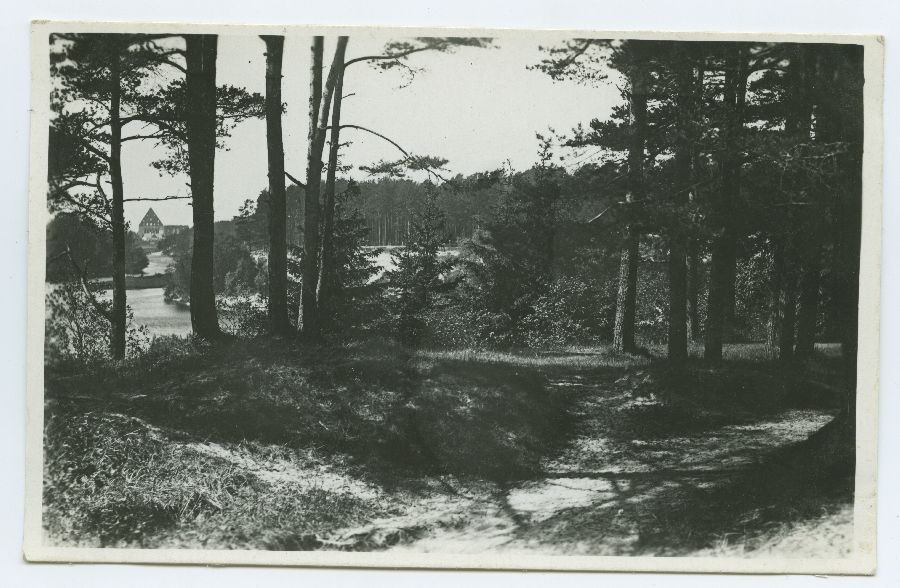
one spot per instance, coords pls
(811, 263)
(306, 321)
(677, 342)
(326, 278)
(200, 84)
(319, 110)
(626, 300)
(798, 125)
(720, 298)
(279, 323)
(117, 340)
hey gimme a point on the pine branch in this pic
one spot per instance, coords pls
(295, 180)
(386, 57)
(406, 154)
(148, 199)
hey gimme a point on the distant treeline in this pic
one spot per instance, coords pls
(76, 246)
(387, 207)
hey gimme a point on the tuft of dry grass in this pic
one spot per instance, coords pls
(829, 535)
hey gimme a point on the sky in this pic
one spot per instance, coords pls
(475, 107)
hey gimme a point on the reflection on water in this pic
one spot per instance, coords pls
(160, 317)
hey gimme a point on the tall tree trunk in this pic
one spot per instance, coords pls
(845, 104)
(720, 298)
(278, 312)
(117, 340)
(685, 104)
(798, 124)
(811, 265)
(319, 110)
(326, 270)
(626, 299)
(306, 320)
(200, 84)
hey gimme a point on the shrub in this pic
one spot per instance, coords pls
(570, 312)
(76, 329)
(418, 272)
(244, 316)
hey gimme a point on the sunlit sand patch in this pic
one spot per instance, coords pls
(541, 500)
(275, 472)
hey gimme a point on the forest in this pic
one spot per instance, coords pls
(695, 255)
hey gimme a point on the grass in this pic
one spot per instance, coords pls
(273, 445)
(827, 535)
(114, 481)
(122, 465)
(576, 358)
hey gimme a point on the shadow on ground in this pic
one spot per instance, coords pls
(588, 453)
(393, 416)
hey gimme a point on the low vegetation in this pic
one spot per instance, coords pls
(342, 448)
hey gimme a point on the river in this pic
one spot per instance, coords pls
(163, 318)
(158, 263)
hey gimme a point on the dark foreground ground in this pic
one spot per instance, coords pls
(267, 446)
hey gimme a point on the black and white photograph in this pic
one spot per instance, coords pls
(453, 298)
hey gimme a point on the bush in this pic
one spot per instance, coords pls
(244, 316)
(90, 246)
(418, 273)
(454, 325)
(77, 330)
(570, 312)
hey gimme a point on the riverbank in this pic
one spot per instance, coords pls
(136, 282)
(268, 445)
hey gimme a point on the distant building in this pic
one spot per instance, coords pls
(152, 228)
(173, 229)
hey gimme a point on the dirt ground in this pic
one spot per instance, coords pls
(624, 467)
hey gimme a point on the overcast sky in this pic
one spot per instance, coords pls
(475, 107)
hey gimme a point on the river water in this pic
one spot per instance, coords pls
(158, 263)
(163, 318)
(160, 317)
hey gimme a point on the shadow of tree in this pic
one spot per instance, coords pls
(677, 512)
(647, 460)
(391, 415)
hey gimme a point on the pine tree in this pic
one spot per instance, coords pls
(418, 271)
